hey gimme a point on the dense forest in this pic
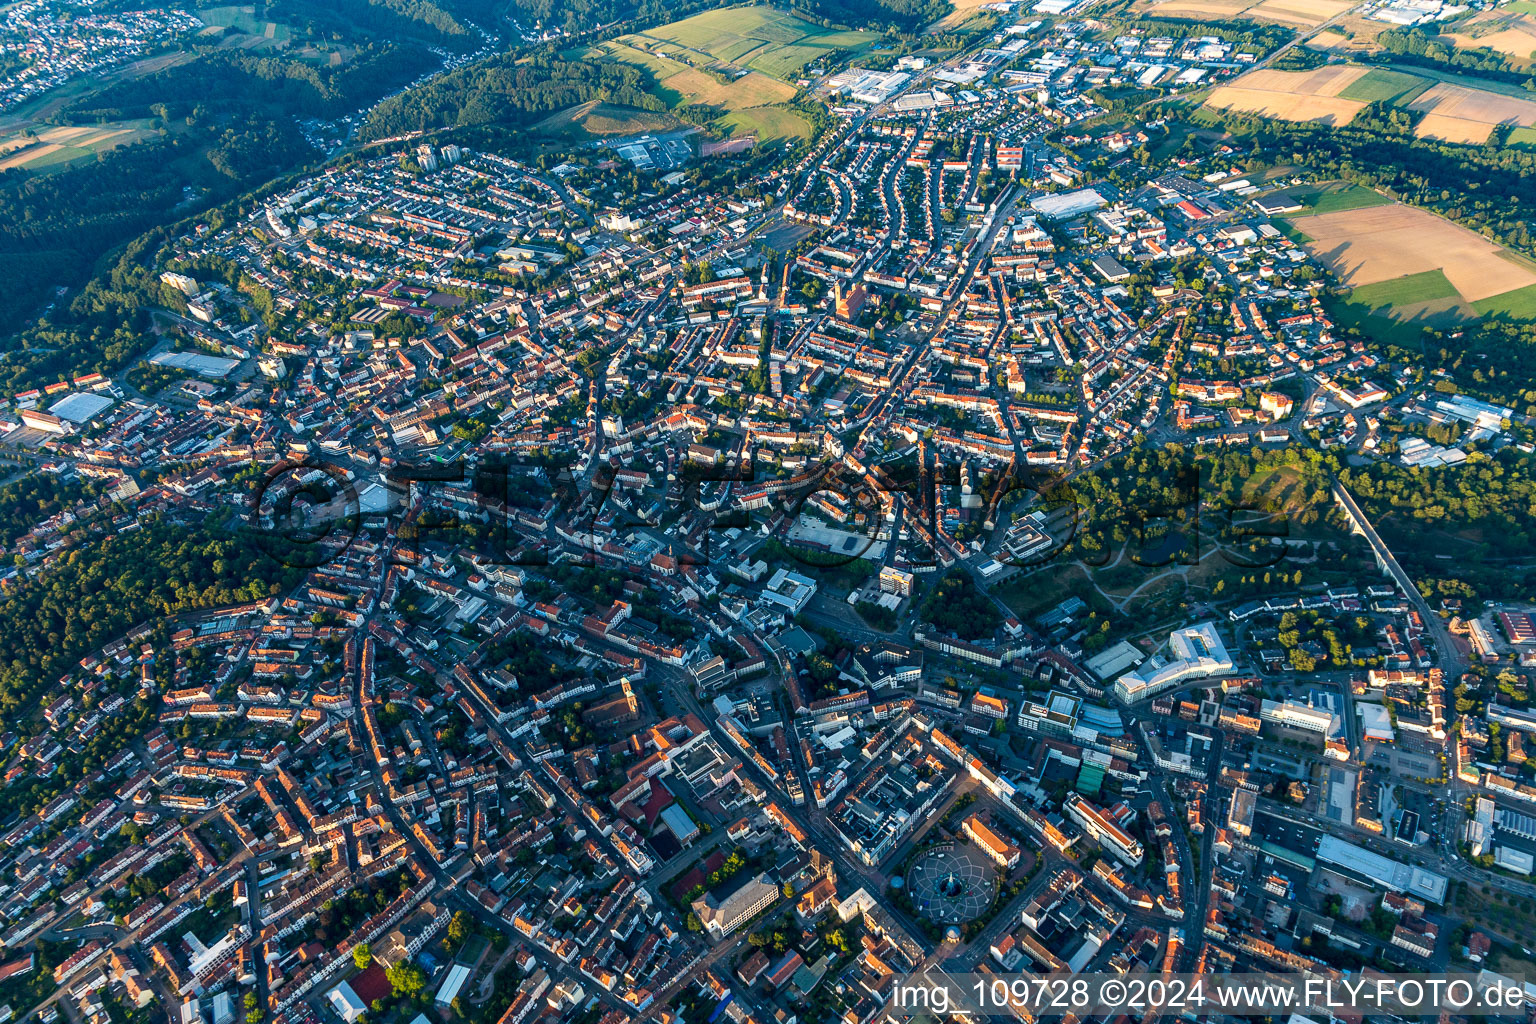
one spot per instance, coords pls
(100, 331)
(54, 227)
(1493, 359)
(1160, 498)
(1464, 531)
(1245, 35)
(511, 92)
(450, 22)
(1459, 531)
(879, 15)
(956, 605)
(96, 593)
(579, 17)
(34, 498)
(227, 124)
(1421, 47)
(241, 82)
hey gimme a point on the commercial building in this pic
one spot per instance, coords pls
(1057, 716)
(1005, 853)
(1383, 871)
(1194, 652)
(1103, 829)
(1296, 715)
(1064, 205)
(896, 581)
(789, 590)
(722, 915)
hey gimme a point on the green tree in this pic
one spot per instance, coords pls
(362, 955)
(406, 979)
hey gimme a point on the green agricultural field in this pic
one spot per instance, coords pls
(245, 20)
(1398, 309)
(59, 146)
(1381, 85)
(747, 103)
(763, 39)
(1522, 137)
(1402, 291)
(1519, 304)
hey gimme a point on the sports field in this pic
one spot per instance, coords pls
(763, 39)
(602, 119)
(1338, 198)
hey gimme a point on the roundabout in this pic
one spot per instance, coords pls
(951, 884)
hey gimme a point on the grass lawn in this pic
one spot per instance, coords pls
(1373, 323)
(1035, 591)
(1398, 309)
(681, 84)
(601, 119)
(1379, 84)
(766, 123)
(1274, 489)
(1338, 197)
(1290, 230)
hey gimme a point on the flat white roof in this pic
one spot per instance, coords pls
(198, 363)
(81, 406)
(1384, 871)
(457, 975)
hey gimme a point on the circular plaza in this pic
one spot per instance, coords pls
(951, 884)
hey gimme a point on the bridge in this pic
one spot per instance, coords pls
(1448, 654)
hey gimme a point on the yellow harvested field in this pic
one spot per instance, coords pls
(1325, 81)
(1307, 13)
(1381, 243)
(1476, 105)
(65, 134)
(1286, 106)
(22, 157)
(963, 9)
(1453, 129)
(1519, 43)
(1503, 29)
(1201, 8)
(1329, 39)
(62, 145)
(1293, 95)
(56, 137)
(1302, 12)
